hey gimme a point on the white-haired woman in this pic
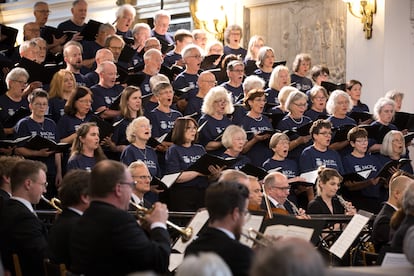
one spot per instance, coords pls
(216, 106)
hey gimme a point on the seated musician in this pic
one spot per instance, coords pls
(142, 178)
(327, 201)
(381, 226)
(277, 190)
(74, 198)
(226, 204)
(109, 241)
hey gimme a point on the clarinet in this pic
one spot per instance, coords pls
(343, 202)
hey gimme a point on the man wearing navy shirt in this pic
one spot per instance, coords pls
(72, 54)
(235, 72)
(106, 91)
(161, 24)
(76, 23)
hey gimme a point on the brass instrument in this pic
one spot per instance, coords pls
(54, 202)
(263, 241)
(186, 233)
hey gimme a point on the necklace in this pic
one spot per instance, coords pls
(143, 152)
(297, 122)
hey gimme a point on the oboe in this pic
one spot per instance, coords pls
(344, 203)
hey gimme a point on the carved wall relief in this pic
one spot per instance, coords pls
(312, 26)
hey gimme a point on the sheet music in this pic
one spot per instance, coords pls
(310, 176)
(395, 259)
(169, 179)
(289, 231)
(350, 233)
(254, 222)
(198, 221)
(175, 260)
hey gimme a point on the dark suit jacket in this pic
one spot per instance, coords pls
(381, 226)
(397, 240)
(59, 237)
(236, 255)
(109, 241)
(21, 232)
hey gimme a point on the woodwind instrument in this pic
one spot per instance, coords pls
(294, 208)
(344, 203)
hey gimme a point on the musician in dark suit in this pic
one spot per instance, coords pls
(6, 165)
(74, 198)
(381, 226)
(277, 190)
(226, 203)
(142, 178)
(408, 221)
(21, 232)
(109, 241)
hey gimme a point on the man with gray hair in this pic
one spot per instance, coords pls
(408, 221)
(160, 31)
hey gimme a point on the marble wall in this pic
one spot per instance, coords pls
(312, 26)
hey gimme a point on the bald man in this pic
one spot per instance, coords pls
(381, 227)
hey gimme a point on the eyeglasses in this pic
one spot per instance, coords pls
(40, 104)
(142, 177)
(301, 105)
(196, 56)
(131, 184)
(320, 98)
(282, 188)
(43, 11)
(85, 101)
(21, 82)
(44, 184)
(325, 133)
(238, 71)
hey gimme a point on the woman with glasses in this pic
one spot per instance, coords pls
(384, 111)
(37, 124)
(187, 194)
(62, 86)
(216, 106)
(296, 104)
(327, 201)
(393, 148)
(14, 98)
(77, 111)
(265, 61)
(235, 72)
(364, 192)
(258, 126)
(338, 106)
(86, 151)
(318, 98)
(234, 138)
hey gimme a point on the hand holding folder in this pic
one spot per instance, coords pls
(204, 162)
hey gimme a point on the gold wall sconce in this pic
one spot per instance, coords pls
(367, 9)
(210, 16)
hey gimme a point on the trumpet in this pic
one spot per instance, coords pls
(253, 235)
(54, 202)
(186, 233)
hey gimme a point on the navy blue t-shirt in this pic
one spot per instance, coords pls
(162, 122)
(301, 83)
(80, 161)
(8, 107)
(56, 108)
(235, 91)
(131, 154)
(238, 52)
(104, 96)
(311, 159)
(184, 80)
